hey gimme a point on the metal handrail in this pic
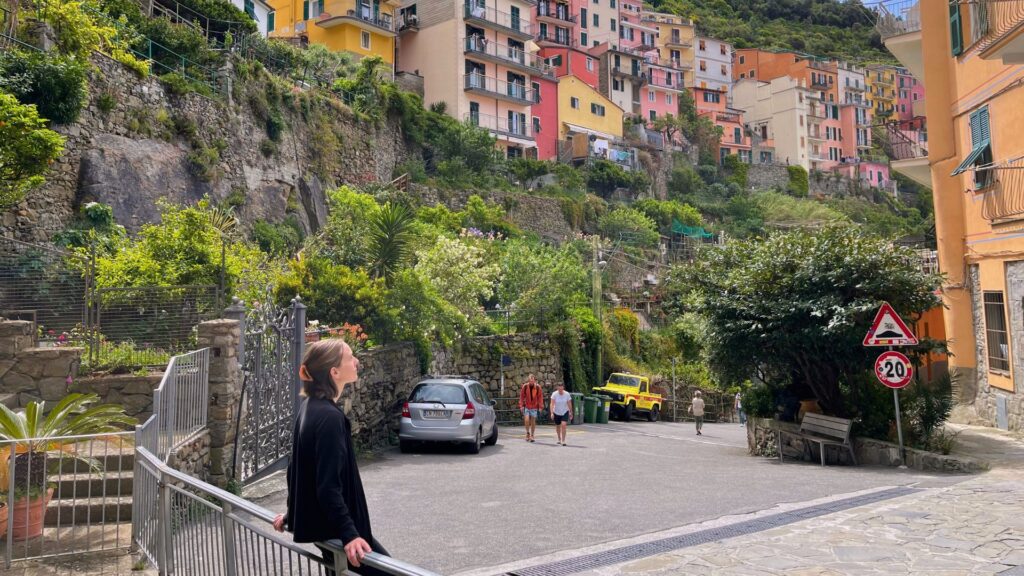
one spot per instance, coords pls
(231, 505)
(898, 18)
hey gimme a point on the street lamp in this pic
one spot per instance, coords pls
(598, 267)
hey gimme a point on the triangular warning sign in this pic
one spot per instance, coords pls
(888, 329)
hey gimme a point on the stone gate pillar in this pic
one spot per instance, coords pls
(223, 338)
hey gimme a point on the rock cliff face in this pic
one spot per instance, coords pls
(147, 146)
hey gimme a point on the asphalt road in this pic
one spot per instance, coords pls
(451, 512)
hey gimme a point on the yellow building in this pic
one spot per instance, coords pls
(584, 110)
(881, 83)
(360, 27)
(674, 41)
(969, 56)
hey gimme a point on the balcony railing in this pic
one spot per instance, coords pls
(929, 261)
(502, 126)
(385, 21)
(555, 12)
(634, 72)
(492, 17)
(559, 39)
(679, 41)
(512, 91)
(898, 17)
(822, 65)
(727, 117)
(507, 55)
(993, 20)
(662, 81)
(1004, 199)
(902, 147)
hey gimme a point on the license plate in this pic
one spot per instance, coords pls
(436, 413)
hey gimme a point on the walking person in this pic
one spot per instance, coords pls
(739, 409)
(561, 411)
(325, 493)
(697, 409)
(531, 400)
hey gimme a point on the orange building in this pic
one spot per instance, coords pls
(818, 75)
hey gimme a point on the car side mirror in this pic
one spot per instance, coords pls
(494, 402)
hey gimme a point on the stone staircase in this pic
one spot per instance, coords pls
(84, 496)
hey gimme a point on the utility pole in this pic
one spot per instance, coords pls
(598, 266)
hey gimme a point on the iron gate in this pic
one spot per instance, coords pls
(272, 351)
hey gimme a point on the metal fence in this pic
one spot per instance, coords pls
(67, 495)
(121, 328)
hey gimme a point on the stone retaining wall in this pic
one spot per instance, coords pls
(480, 359)
(374, 403)
(193, 457)
(762, 440)
(538, 214)
(32, 373)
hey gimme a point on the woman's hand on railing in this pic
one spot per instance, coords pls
(279, 523)
(355, 550)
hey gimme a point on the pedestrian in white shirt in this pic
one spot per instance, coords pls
(697, 409)
(561, 411)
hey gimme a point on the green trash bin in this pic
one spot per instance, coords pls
(590, 404)
(577, 408)
(603, 409)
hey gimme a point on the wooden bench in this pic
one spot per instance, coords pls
(826, 431)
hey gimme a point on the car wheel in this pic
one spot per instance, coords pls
(405, 446)
(653, 415)
(474, 448)
(629, 411)
(493, 438)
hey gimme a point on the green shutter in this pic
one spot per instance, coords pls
(270, 22)
(305, 10)
(320, 7)
(956, 29)
(981, 141)
(583, 38)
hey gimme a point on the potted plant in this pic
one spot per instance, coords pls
(3, 516)
(29, 437)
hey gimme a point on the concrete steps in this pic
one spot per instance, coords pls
(96, 485)
(85, 511)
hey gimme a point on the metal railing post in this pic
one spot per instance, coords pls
(230, 566)
(299, 343)
(163, 525)
(10, 499)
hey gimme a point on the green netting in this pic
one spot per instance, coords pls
(691, 231)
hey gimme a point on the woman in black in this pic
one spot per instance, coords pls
(325, 494)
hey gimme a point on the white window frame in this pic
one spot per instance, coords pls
(364, 40)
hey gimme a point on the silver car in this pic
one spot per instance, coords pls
(448, 409)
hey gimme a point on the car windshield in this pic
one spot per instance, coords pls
(623, 380)
(446, 393)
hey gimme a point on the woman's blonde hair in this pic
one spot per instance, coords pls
(315, 371)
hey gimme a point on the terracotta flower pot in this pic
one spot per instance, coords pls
(28, 516)
(3, 520)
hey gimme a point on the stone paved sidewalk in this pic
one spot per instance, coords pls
(972, 527)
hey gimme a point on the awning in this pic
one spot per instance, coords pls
(531, 47)
(971, 159)
(582, 130)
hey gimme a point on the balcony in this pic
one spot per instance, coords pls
(678, 42)
(502, 126)
(493, 19)
(660, 81)
(899, 24)
(1004, 198)
(1000, 26)
(361, 17)
(909, 157)
(555, 13)
(632, 73)
(727, 117)
(821, 83)
(555, 40)
(481, 49)
(500, 89)
(822, 65)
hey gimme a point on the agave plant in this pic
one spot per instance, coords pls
(32, 436)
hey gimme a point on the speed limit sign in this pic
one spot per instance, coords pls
(894, 369)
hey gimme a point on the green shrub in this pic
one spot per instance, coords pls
(736, 169)
(278, 238)
(203, 162)
(180, 85)
(275, 126)
(527, 169)
(106, 102)
(664, 212)
(415, 168)
(799, 184)
(629, 225)
(268, 147)
(55, 84)
(760, 402)
(236, 198)
(27, 148)
(185, 127)
(605, 177)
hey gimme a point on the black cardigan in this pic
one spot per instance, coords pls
(325, 493)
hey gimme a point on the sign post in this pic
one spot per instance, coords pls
(893, 369)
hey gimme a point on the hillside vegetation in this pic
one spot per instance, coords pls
(821, 27)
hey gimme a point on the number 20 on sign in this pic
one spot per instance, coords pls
(894, 369)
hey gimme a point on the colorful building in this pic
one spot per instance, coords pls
(359, 27)
(481, 61)
(969, 56)
(635, 34)
(584, 110)
(545, 118)
(855, 111)
(881, 81)
(674, 40)
(622, 77)
(714, 104)
(909, 96)
(712, 64)
(776, 112)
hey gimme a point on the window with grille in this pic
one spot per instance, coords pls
(995, 332)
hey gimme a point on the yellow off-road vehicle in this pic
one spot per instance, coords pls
(631, 393)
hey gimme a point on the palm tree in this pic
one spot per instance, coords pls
(32, 436)
(390, 235)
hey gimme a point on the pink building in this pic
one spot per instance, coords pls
(870, 173)
(661, 94)
(909, 96)
(855, 128)
(825, 135)
(713, 104)
(569, 61)
(545, 118)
